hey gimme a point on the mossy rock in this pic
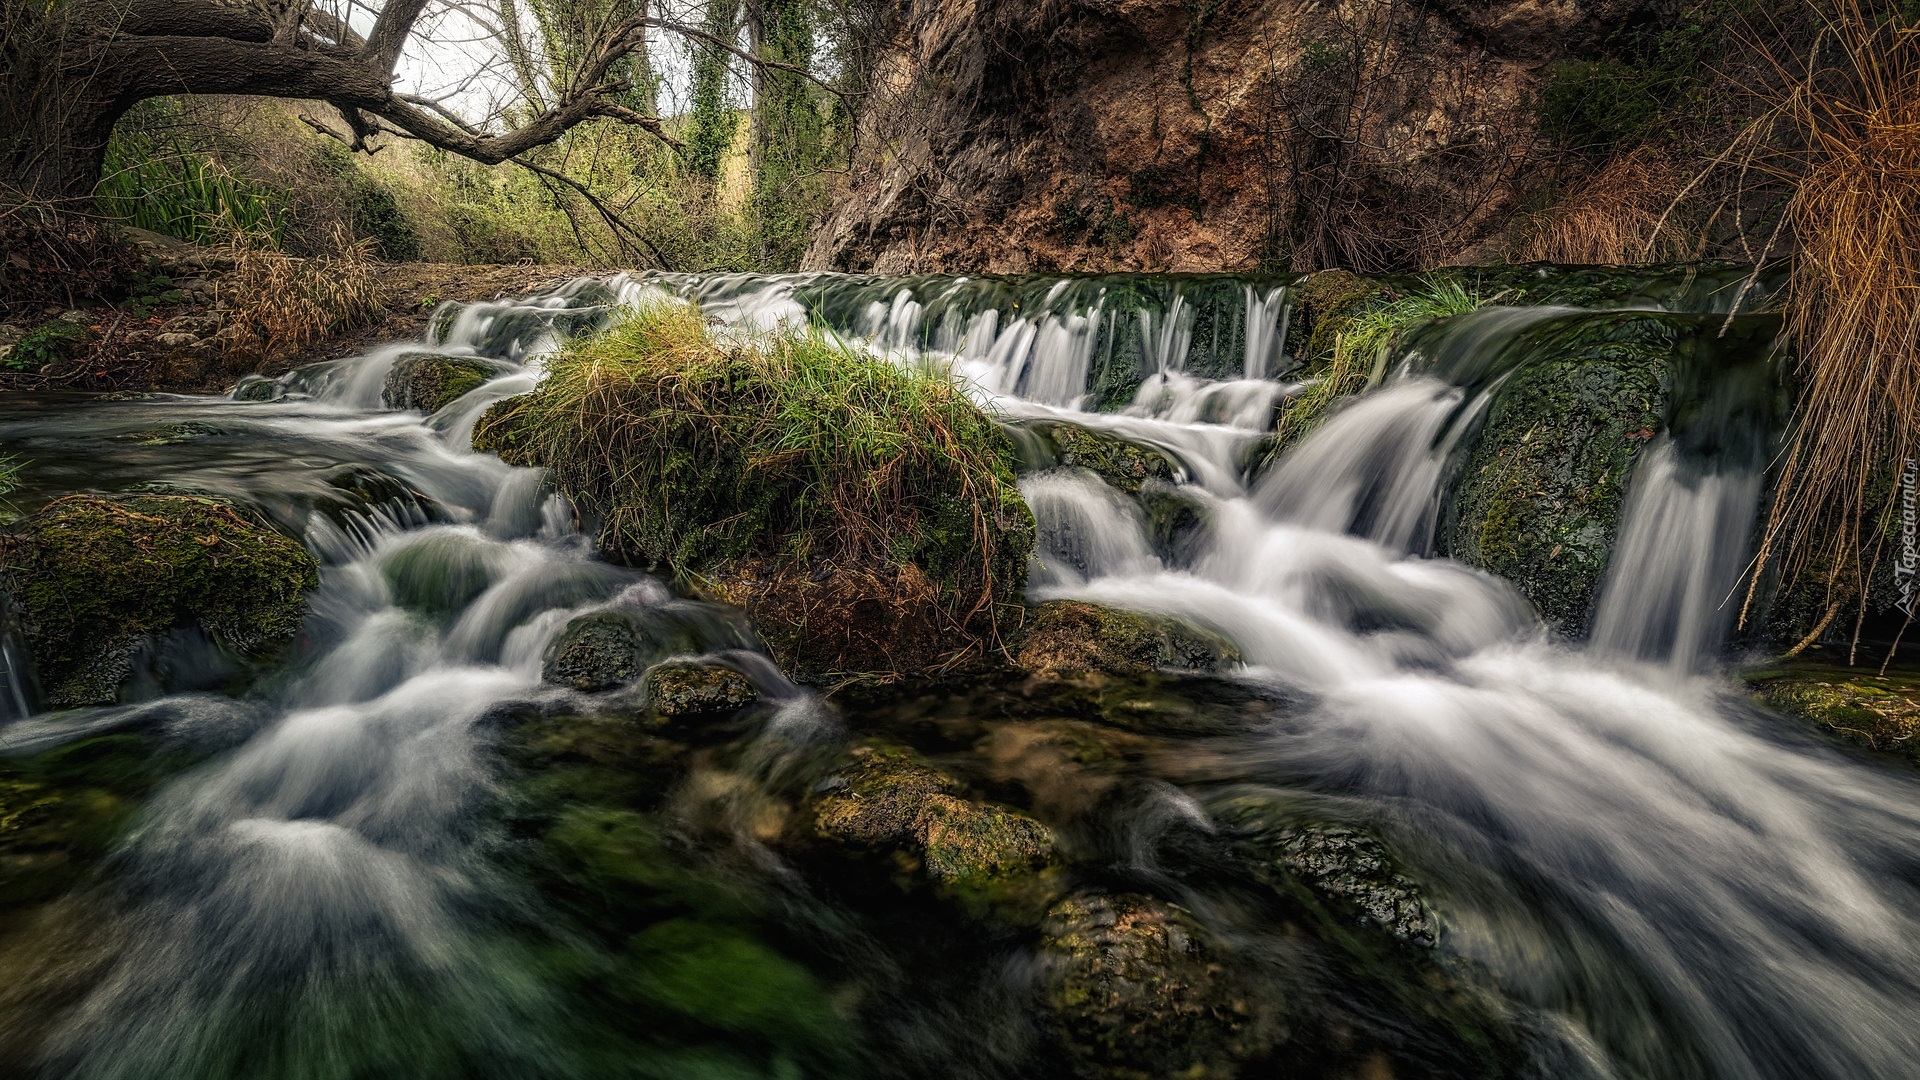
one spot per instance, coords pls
(430, 381)
(1122, 464)
(1539, 497)
(92, 579)
(1345, 869)
(1878, 712)
(1135, 991)
(1324, 303)
(1067, 636)
(866, 517)
(693, 689)
(887, 800)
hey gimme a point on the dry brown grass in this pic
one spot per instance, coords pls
(1617, 216)
(1855, 311)
(283, 303)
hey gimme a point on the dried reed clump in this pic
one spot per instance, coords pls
(1855, 312)
(282, 303)
(1617, 216)
(695, 452)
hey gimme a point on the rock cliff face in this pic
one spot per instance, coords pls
(1013, 135)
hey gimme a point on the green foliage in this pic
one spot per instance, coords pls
(693, 451)
(157, 179)
(1655, 81)
(378, 216)
(54, 341)
(789, 136)
(1359, 341)
(713, 121)
(10, 467)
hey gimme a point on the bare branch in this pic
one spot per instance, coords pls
(390, 32)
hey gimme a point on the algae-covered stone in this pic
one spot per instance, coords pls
(1072, 636)
(1878, 712)
(690, 689)
(429, 381)
(1122, 464)
(1134, 991)
(1539, 498)
(1324, 303)
(92, 579)
(887, 800)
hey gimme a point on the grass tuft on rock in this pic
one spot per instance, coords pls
(790, 455)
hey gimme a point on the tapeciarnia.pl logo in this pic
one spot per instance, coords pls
(1909, 561)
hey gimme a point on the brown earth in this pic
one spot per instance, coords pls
(1012, 136)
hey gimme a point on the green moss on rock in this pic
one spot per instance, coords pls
(693, 689)
(887, 800)
(1066, 636)
(1134, 992)
(430, 381)
(822, 491)
(1878, 712)
(91, 578)
(1539, 498)
(1122, 464)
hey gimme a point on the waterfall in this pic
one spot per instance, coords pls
(1611, 833)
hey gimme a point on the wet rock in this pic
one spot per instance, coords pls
(597, 651)
(1878, 712)
(95, 578)
(257, 388)
(887, 800)
(1067, 636)
(1344, 867)
(1120, 463)
(1134, 991)
(1354, 869)
(428, 381)
(1539, 498)
(691, 689)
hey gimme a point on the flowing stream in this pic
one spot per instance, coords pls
(1677, 884)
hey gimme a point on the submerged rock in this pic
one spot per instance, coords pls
(887, 800)
(691, 689)
(429, 381)
(94, 580)
(1344, 867)
(1071, 636)
(1134, 991)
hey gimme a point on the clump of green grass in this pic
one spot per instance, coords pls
(694, 451)
(1360, 350)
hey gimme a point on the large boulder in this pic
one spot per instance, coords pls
(865, 516)
(95, 582)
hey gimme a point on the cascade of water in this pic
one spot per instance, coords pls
(1676, 568)
(1699, 894)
